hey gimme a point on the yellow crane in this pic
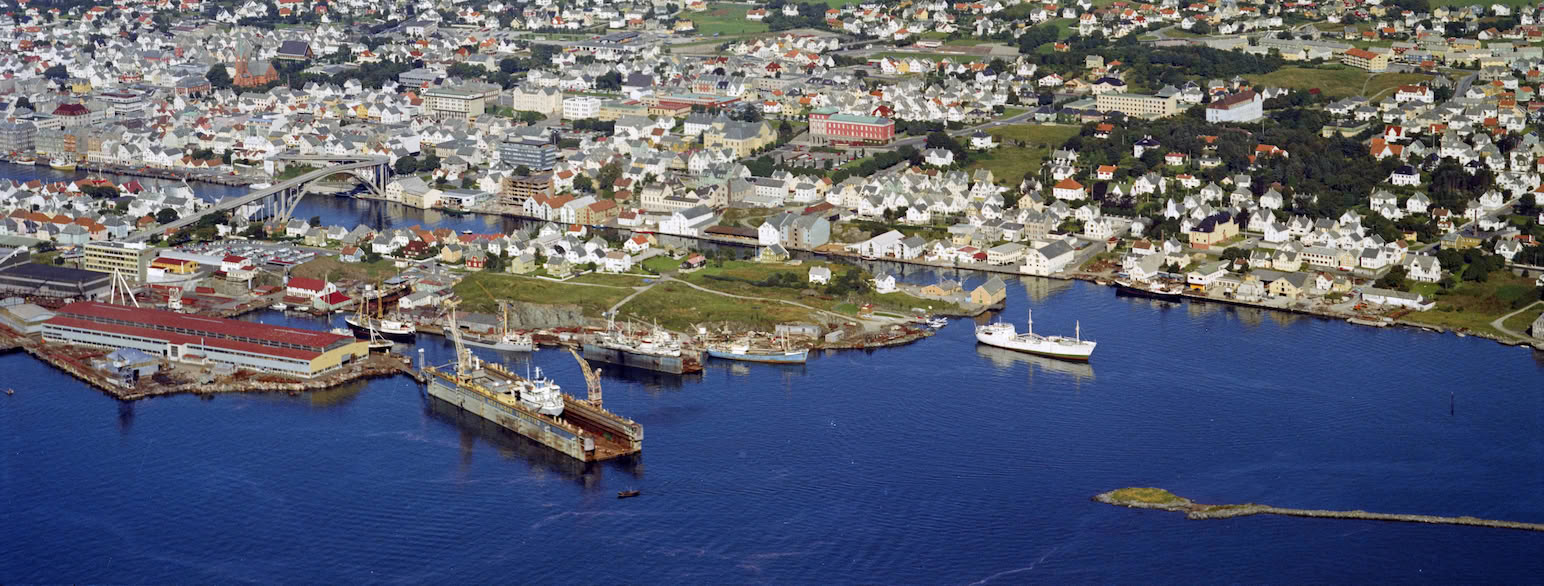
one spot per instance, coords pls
(591, 378)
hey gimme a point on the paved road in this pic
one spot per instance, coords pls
(1503, 329)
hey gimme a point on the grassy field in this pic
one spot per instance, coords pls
(332, 269)
(661, 264)
(679, 307)
(1474, 305)
(1008, 164)
(1521, 321)
(476, 293)
(727, 19)
(1338, 83)
(609, 279)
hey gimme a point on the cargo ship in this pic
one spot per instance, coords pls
(658, 351)
(1004, 335)
(535, 408)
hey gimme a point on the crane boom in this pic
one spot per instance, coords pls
(591, 378)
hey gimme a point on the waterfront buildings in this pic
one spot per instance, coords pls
(203, 340)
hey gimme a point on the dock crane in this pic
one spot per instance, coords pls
(591, 378)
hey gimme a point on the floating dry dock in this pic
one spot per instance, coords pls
(1163, 500)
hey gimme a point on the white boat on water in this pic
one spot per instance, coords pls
(1003, 335)
(278, 307)
(515, 342)
(540, 394)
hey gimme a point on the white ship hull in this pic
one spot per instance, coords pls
(1004, 336)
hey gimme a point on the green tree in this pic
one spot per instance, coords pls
(166, 216)
(1394, 279)
(523, 171)
(583, 183)
(407, 165)
(431, 162)
(218, 77)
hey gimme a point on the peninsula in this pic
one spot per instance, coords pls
(1163, 500)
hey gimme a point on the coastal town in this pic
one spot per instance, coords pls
(751, 180)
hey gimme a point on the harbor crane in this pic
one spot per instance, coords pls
(591, 378)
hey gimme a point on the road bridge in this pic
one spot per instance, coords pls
(279, 200)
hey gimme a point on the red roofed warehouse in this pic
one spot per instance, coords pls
(202, 340)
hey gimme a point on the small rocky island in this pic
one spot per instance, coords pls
(1157, 498)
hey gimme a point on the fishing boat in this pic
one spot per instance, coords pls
(743, 352)
(61, 164)
(27, 161)
(627, 494)
(279, 307)
(1004, 335)
(1154, 291)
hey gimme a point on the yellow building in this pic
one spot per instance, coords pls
(742, 137)
(1364, 59)
(129, 259)
(176, 266)
(1139, 105)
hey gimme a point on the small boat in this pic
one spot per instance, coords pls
(61, 164)
(260, 186)
(1157, 291)
(26, 161)
(279, 307)
(627, 494)
(10, 391)
(937, 323)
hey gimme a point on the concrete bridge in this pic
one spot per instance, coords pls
(279, 200)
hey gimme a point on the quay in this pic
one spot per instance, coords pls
(1163, 500)
(74, 360)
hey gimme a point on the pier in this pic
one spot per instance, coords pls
(1163, 500)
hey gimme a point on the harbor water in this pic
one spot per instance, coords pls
(938, 462)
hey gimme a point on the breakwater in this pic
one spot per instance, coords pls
(1163, 500)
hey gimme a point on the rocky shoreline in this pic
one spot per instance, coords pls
(1163, 500)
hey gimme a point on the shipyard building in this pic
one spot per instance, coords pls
(203, 340)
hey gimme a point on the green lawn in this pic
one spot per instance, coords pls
(1336, 82)
(332, 269)
(661, 264)
(1521, 321)
(679, 307)
(609, 279)
(1009, 163)
(1474, 305)
(727, 19)
(477, 293)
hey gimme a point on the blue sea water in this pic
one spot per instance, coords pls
(938, 462)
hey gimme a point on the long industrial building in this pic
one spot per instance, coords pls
(195, 339)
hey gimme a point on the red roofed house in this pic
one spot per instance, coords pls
(309, 289)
